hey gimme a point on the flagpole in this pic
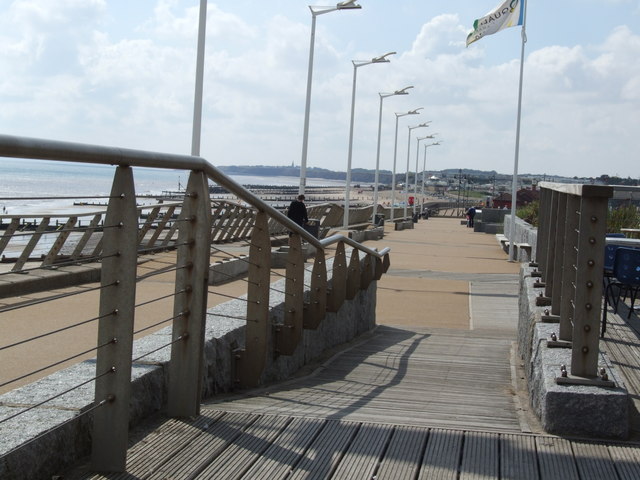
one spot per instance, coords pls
(514, 183)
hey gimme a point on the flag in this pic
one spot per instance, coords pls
(509, 13)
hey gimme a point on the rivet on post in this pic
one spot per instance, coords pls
(585, 350)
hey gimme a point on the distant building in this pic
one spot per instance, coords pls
(524, 197)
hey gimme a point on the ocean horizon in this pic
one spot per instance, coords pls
(28, 185)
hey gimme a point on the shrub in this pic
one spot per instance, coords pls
(529, 213)
(625, 216)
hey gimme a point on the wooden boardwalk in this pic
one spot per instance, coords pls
(224, 445)
(409, 401)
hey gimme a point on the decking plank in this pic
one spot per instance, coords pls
(518, 460)
(235, 460)
(480, 456)
(204, 448)
(627, 461)
(363, 455)
(276, 462)
(593, 461)
(442, 455)
(324, 454)
(402, 458)
(555, 459)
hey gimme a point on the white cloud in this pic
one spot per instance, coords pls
(73, 78)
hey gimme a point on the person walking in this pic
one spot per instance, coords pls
(298, 211)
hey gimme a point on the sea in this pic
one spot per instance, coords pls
(31, 187)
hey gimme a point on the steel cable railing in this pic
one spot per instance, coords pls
(190, 235)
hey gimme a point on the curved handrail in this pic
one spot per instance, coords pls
(41, 149)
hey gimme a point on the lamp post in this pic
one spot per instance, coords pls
(395, 152)
(406, 193)
(356, 65)
(315, 11)
(424, 167)
(415, 183)
(377, 175)
(197, 102)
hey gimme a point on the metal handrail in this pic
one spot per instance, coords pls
(41, 149)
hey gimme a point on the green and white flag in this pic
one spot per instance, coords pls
(509, 13)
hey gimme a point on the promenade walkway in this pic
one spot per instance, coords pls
(433, 392)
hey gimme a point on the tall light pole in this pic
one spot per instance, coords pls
(415, 183)
(356, 64)
(197, 102)
(377, 175)
(315, 11)
(395, 152)
(406, 193)
(424, 167)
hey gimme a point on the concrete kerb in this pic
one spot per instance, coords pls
(589, 411)
(66, 434)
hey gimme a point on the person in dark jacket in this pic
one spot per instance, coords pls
(471, 213)
(298, 211)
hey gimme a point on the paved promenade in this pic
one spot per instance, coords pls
(432, 393)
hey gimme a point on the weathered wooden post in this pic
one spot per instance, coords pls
(289, 335)
(353, 275)
(570, 259)
(115, 329)
(190, 303)
(337, 292)
(316, 309)
(251, 361)
(589, 267)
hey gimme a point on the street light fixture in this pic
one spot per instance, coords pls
(315, 11)
(406, 194)
(395, 151)
(377, 175)
(424, 167)
(415, 183)
(356, 65)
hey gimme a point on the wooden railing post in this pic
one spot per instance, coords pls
(337, 293)
(543, 228)
(251, 362)
(367, 272)
(316, 309)
(558, 242)
(552, 252)
(588, 298)
(353, 275)
(570, 258)
(290, 333)
(190, 303)
(115, 329)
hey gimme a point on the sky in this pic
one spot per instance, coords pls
(122, 73)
